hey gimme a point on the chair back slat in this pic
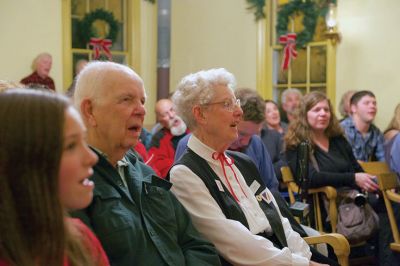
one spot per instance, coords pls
(328, 191)
(286, 174)
(375, 168)
(288, 179)
(388, 181)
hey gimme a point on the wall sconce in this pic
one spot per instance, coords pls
(331, 24)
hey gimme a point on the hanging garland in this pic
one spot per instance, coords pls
(258, 7)
(311, 14)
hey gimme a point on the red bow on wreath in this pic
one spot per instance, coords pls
(289, 52)
(101, 44)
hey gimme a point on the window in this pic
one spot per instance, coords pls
(76, 46)
(313, 70)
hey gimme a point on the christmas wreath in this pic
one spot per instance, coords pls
(258, 7)
(311, 14)
(87, 31)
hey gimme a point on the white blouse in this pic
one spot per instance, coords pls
(236, 243)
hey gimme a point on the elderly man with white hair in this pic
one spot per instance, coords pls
(290, 100)
(223, 190)
(133, 213)
(41, 67)
(164, 142)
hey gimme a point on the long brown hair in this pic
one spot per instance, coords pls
(33, 230)
(299, 130)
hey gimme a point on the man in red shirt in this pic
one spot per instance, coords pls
(164, 142)
(41, 67)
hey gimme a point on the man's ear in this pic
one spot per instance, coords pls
(353, 108)
(87, 112)
(199, 115)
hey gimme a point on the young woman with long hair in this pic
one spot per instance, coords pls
(45, 164)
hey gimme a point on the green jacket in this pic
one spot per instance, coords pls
(146, 227)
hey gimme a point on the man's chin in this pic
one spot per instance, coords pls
(131, 143)
(179, 130)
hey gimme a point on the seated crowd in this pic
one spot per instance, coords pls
(204, 187)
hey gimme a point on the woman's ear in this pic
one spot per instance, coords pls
(87, 113)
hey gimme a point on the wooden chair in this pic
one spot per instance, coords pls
(387, 183)
(375, 168)
(338, 242)
(329, 191)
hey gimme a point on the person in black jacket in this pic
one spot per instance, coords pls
(335, 164)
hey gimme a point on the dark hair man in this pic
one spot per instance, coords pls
(364, 137)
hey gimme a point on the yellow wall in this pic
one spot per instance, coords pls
(368, 55)
(29, 27)
(204, 35)
(148, 56)
(208, 34)
(215, 33)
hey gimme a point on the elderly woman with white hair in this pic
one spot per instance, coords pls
(222, 190)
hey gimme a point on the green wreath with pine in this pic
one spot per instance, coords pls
(293, 8)
(86, 25)
(310, 8)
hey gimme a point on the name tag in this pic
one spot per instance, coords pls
(219, 185)
(266, 196)
(254, 186)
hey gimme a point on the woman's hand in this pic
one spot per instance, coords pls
(366, 182)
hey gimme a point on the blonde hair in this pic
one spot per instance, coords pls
(395, 122)
(345, 99)
(38, 58)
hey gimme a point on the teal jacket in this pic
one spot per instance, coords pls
(146, 227)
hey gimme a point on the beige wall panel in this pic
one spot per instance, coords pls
(29, 27)
(213, 33)
(216, 33)
(368, 55)
(148, 56)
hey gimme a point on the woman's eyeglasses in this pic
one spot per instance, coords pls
(228, 104)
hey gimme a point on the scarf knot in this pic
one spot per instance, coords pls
(229, 162)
